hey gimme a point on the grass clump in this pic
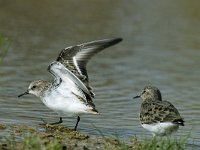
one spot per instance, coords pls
(158, 143)
(33, 141)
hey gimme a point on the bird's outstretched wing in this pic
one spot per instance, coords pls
(62, 74)
(75, 58)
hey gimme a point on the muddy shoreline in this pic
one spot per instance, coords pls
(59, 137)
(64, 137)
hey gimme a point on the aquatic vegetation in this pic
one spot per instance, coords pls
(4, 45)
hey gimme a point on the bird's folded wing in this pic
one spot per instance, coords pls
(159, 112)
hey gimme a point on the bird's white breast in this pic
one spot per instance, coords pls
(63, 101)
(161, 129)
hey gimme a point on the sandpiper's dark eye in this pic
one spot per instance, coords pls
(34, 87)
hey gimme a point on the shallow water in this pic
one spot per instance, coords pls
(160, 47)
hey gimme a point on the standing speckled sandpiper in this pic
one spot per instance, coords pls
(157, 116)
(70, 93)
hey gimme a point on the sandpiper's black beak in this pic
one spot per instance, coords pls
(25, 93)
(138, 96)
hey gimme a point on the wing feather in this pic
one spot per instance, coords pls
(75, 58)
(60, 71)
(159, 111)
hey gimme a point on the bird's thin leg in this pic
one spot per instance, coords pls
(78, 119)
(58, 122)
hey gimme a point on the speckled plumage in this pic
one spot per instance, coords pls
(158, 111)
(154, 111)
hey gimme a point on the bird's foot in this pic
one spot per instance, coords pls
(54, 123)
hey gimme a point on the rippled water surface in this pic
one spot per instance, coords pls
(161, 47)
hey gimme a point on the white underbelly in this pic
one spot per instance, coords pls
(65, 105)
(161, 129)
